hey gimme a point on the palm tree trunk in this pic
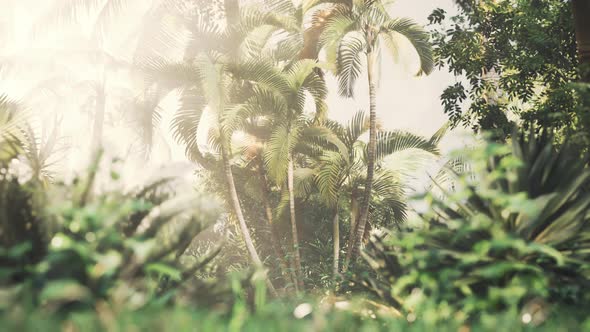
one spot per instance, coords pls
(356, 241)
(240, 216)
(581, 11)
(274, 239)
(336, 239)
(99, 113)
(354, 212)
(296, 255)
(367, 233)
(232, 11)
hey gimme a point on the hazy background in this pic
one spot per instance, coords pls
(51, 72)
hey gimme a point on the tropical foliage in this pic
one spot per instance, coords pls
(318, 215)
(519, 60)
(518, 236)
(67, 248)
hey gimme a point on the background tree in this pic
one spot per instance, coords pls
(517, 59)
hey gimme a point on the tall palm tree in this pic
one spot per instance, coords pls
(336, 173)
(357, 34)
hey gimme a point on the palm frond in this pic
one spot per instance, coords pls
(205, 36)
(12, 117)
(388, 188)
(284, 7)
(440, 133)
(66, 12)
(395, 141)
(316, 86)
(323, 135)
(416, 35)
(261, 72)
(185, 124)
(12, 122)
(290, 44)
(109, 11)
(299, 72)
(169, 75)
(146, 114)
(356, 127)
(280, 145)
(303, 181)
(349, 62)
(335, 29)
(447, 174)
(255, 42)
(310, 6)
(330, 176)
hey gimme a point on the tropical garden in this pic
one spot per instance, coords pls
(294, 165)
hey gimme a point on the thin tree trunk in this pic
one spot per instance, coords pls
(232, 11)
(581, 11)
(356, 241)
(354, 214)
(296, 255)
(367, 233)
(354, 211)
(99, 113)
(336, 239)
(240, 216)
(288, 275)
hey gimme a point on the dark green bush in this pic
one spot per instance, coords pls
(516, 230)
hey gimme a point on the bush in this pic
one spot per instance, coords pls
(514, 235)
(65, 247)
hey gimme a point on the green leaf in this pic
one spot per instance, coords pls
(164, 270)
(66, 290)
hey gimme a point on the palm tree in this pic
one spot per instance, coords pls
(356, 34)
(247, 38)
(223, 77)
(290, 128)
(336, 173)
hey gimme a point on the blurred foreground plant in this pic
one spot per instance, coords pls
(67, 247)
(516, 230)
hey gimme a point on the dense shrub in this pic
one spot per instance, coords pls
(512, 235)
